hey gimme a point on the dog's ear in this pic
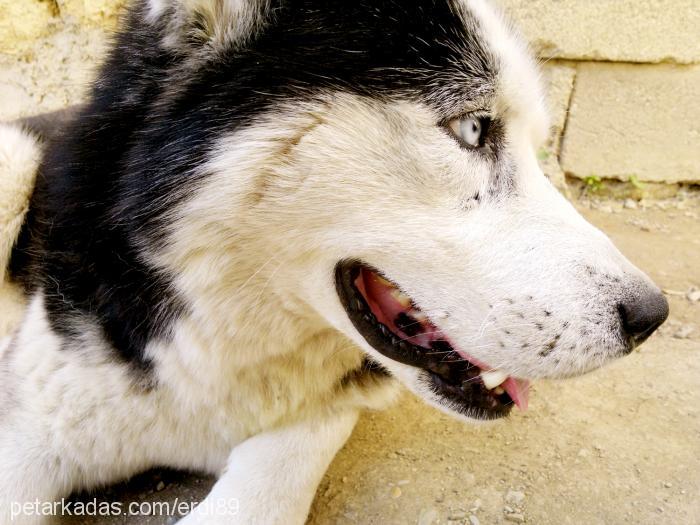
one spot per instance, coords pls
(214, 24)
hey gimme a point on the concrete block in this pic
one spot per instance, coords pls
(97, 12)
(634, 120)
(22, 21)
(559, 80)
(612, 30)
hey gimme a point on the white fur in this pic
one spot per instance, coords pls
(19, 159)
(67, 413)
(253, 474)
(261, 381)
(520, 84)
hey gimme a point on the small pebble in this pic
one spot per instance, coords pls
(684, 331)
(457, 515)
(515, 497)
(428, 516)
(396, 492)
(630, 204)
(693, 295)
(516, 518)
(473, 520)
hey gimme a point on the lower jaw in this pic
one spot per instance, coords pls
(457, 399)
(454, 382)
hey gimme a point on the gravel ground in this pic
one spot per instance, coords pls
(621, 445)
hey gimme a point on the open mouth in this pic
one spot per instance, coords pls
(391, 323)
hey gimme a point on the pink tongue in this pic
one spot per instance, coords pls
(386, 308)
(518, 390)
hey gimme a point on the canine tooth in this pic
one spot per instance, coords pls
(419, 316)
(493, 378)
(498, 391)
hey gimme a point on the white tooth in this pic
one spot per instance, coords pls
(498, 391)
(493, 378)
(401, 297)
(419, 316)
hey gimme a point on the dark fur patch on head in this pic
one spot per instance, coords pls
(107, 182)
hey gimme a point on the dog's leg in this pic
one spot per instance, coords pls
(271, 478)
(32, 476)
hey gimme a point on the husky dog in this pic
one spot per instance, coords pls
(270, 214)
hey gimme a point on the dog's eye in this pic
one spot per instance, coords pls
(470, 130)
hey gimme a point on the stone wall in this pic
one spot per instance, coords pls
(624, 76)
(23, 22)
(624, 85)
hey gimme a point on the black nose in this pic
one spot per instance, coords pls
(642, 314)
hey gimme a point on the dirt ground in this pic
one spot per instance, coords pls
(620, 445)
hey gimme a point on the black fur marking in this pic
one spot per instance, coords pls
(129, 157)
(551, 346)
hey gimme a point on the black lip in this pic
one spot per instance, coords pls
(450, 376)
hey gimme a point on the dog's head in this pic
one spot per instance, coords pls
(384, 155)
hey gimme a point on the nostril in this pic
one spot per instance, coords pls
(641, 316)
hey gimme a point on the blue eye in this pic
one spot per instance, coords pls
(470, 130)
